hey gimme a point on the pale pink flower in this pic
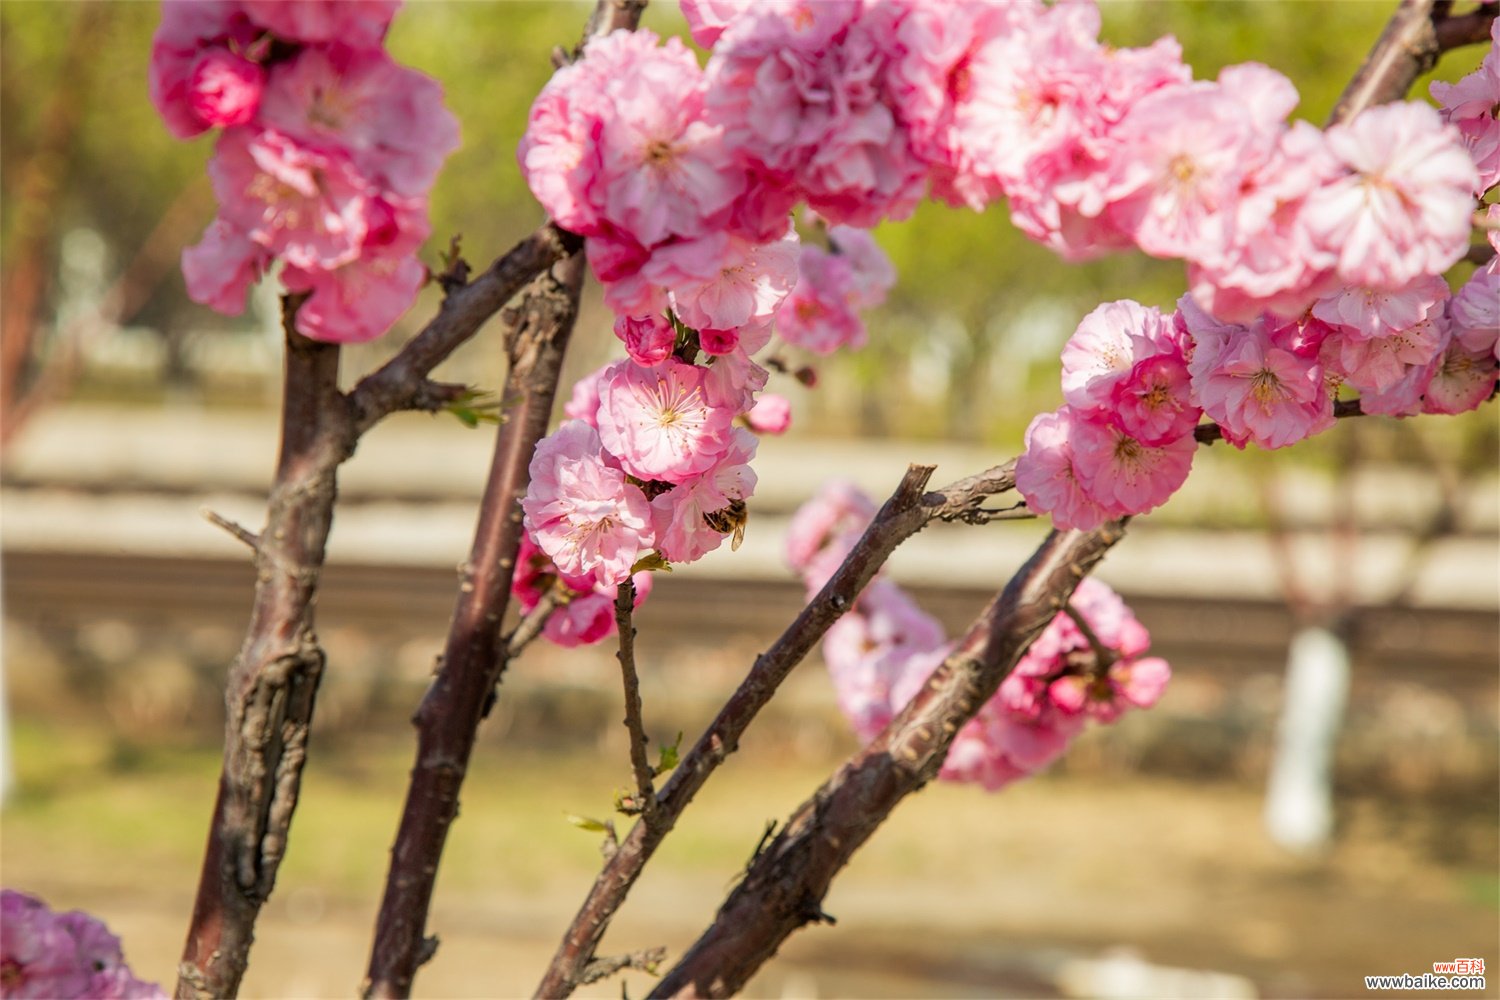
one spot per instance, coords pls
(1365, 313)
(583, 404)
(1470, 105)
(357, 302)
(869, 652)
(1403, 398)
(647, 339)
(819, 314)
(723, 282)
(1375, 364)
(872, 272)
(1461, 378)
(360, 23)
(221, 267)
(686, 525)
(659, 422)
(1124, 475)
(1403, 207)
(837, 509)
(557, 153)
(581, 511)
(1474, 313)
(1105, 347)
(771, 414)
(225, 88)
(1046, 475)
(309, 207)
(389, 117)
(707, 19)
(734, 379)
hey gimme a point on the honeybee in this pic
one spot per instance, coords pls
(727, 520)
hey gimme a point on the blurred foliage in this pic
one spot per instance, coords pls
(966, 346)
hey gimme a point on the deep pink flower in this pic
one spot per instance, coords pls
(225, 88)
(581, 512)
(188, 32)
(1257, 388)
(48, 955)
(587, 612)
(360, 23)
(647, 339)
(1123, 474)
(1402, 208)
(659, 422)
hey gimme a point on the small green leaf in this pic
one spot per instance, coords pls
(588, 823)
(650, 563)
(670, 755)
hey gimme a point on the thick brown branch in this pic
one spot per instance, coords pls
(272, 685)
(449, 715)
(907, 511)
(784, 886)
(645, 791)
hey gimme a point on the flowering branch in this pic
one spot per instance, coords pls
(783, 887)
(909, 509)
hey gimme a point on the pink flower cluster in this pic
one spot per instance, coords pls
(54, 956)
(881, 652)
(1135, 383)
(328, 151)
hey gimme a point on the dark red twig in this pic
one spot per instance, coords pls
(784, 886)
(645, 791)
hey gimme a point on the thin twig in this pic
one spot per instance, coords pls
(236, 530)
(785, 884)
(645, 792)
(647, 959)
(1104, 657)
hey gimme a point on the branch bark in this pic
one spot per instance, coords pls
(273, 683)
(784, 886)
(448, 719)
(908, 510)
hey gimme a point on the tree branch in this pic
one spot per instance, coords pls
(645, 793)
(908, 510)
(273, 682)
(448, 718)
(784, 886)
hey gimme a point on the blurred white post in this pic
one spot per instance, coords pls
(1299, 802)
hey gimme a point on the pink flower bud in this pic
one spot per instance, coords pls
(225, 88)
(648, 339)
(771, 414)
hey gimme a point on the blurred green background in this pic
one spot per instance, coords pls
(119, 624)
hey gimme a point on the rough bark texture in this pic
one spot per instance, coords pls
(449, 716)
(784, 886)
(273, 682)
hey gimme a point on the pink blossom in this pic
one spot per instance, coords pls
(1474, 313)
(1121, 473)
(1470, 106)
(48, 955)
(187, 34)
(734, 379)
(1104, 349)
(869, 653)
(659, 423)
(872, 271)
(616, 261)
(691, 518)
(585, 613)
(837, 509)
(1375, 364)
(221, 267)
(225, 88)
(1461, 378)
(581, 511)
(1155, 402)
(1403, 206)
(771, 414)
(1370, 313)
(1046, 473)
(583, 404)
(357, 302)
(1255, 386)
(801, 99)
(360, 23)
(723, 282)
(647, 339)
(819, 314)
(390, 118)
(707, 19)
(309, 207)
